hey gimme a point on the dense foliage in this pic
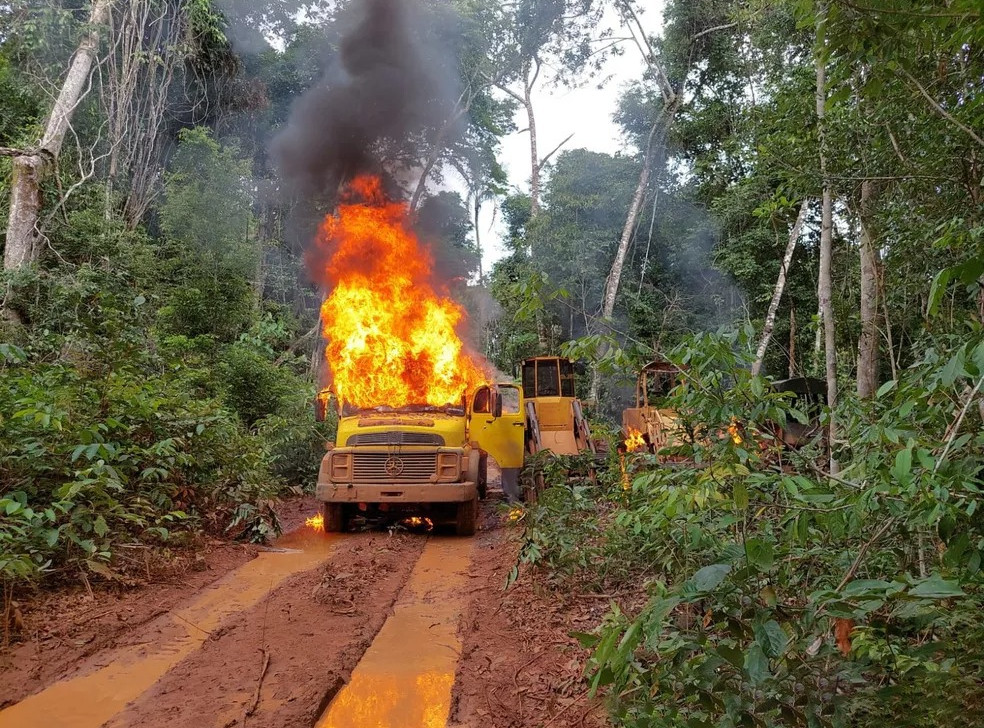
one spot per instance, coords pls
(775, 595)
(158, 347)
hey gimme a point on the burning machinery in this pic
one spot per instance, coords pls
(647, 427)
(418, 413)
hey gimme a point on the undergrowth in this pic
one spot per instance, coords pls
(773, 593)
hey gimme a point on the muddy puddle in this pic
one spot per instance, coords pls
(405, 678)
(122, 675)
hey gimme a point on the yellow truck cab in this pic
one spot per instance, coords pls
(420, 459)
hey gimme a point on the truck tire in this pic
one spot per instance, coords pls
(467, 519)
(334, 517)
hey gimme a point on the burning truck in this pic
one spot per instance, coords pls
(419, 415)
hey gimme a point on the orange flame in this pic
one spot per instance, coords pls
(316, 522)
(392, 338)
(418, 522)
(634, 442)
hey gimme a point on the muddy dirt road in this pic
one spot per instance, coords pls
(338, 631)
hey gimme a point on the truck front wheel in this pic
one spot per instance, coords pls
(334, 516)
(467, 518)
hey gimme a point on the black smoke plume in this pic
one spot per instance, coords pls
(391, 80)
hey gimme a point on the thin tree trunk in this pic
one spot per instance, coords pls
(531, 72)
(478, 237)
(792, 342)
(29, 170)
(534, 154)
(615, 275)
(824, 286)
(770, 317)
(868, 341)
(438, 147)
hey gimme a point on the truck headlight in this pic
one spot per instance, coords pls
(448, 466)
(341, 466)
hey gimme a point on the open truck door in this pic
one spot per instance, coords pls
(498, 426)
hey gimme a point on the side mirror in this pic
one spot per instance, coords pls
(497, 405)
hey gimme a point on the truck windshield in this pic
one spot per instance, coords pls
(448, 409)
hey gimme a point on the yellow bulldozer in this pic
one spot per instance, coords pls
(554, 416)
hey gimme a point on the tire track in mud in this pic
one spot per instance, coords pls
(107, 681)
(314, 629)
(405, 677)
(395, 630)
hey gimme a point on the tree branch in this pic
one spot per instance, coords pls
(940, 110)
(715, 28)
(554, 151)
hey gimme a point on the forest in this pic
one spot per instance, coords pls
(799, 192)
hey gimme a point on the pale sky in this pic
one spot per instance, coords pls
(585, 111)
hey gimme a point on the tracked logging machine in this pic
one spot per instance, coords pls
(421, 460)
(651, 425)
(555, 419)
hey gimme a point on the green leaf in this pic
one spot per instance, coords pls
(936, 587)
(760, 553)
(772, 638)
(756, 664)
(708, 578)
(732, 654)
(741, 496)
(586, 639)
(937, 290)
(902, 469)
(866, 587)
(100, 526)
(885, 388)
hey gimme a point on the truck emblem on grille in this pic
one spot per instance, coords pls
(393, 466)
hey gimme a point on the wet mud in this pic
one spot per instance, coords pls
(388, 629)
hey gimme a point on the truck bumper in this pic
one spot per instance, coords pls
(397, 492)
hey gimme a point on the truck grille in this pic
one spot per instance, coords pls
(394, 467)
(396, 437)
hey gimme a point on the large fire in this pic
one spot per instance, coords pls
(392, 338)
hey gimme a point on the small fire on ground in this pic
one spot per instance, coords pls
(317, 522)
(415, 523)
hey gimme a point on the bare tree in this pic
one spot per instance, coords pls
(868, 341)
(140, 69)
(531, 72)
(31, 166)
(824, 286)
(770, 317)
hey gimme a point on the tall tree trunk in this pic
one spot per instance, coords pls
(770, 317)
(534, 154)
(654, 142)
(478, 237)
(868, 342)
(29, 170)
(615, 274)
(824, 286)
(792, 342)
